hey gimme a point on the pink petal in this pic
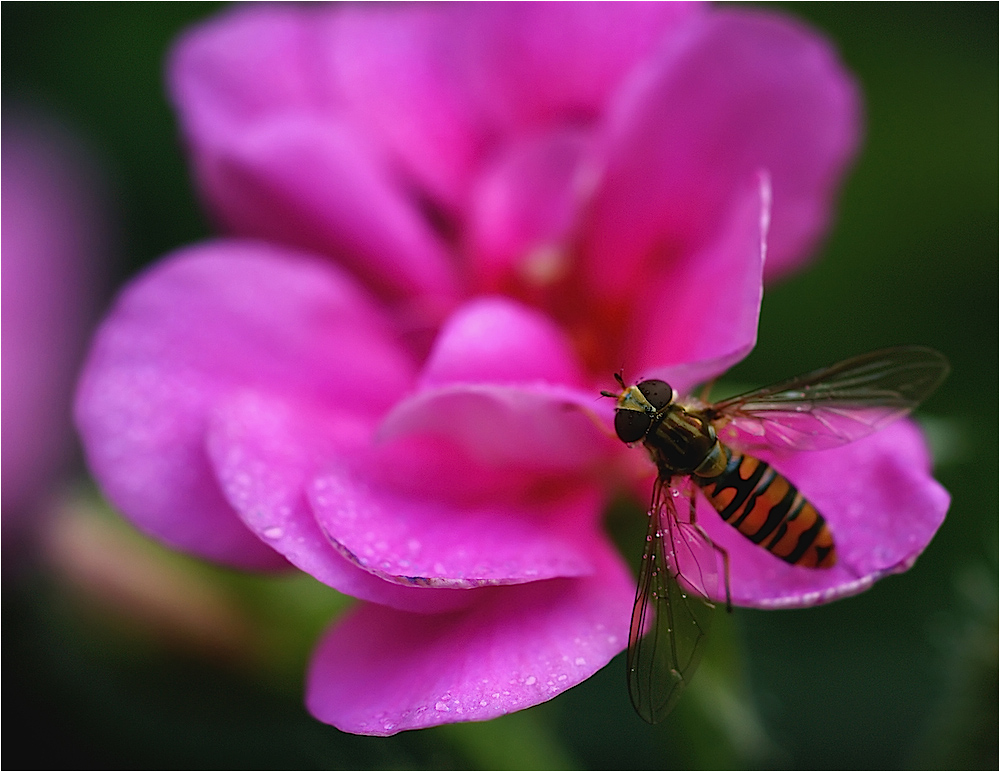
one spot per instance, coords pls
(398, 71)
(247, 65)
(495, 340)
(379, 671)
(277, 160)
(202, 324)
(733, 93)
(532, 63)
(500, 383)
(440, 84)
(881, 504)
(539, 427)
(437, 542)
(699, 316)
(313, 183)
(265, 452)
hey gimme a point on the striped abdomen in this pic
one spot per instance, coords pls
(762, 505)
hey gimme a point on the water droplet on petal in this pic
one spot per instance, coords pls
(274, 532)
(441, 706)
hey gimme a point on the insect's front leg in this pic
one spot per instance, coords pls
(706, 390)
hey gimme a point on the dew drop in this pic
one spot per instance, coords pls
(530, 680)
(274, 532)
(441, 706)
(580, 661)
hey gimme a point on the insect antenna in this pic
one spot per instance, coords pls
(620, 377)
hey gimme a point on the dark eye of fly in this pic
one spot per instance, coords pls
(631, 425)
(658, 393)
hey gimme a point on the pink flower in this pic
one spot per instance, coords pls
(465, 217)
(52, 245)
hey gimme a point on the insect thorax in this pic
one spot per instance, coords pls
(684, 442)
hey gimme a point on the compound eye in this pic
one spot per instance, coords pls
(631, 425)
(658, 393)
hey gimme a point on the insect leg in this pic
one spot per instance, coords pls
(725, 568)
(693, 519)
(706, 390)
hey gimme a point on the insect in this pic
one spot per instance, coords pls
(678, 577)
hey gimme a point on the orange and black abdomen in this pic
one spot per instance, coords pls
(765, 507)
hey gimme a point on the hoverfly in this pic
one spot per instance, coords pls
(678, 575)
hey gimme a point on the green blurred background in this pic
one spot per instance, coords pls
(903, 676)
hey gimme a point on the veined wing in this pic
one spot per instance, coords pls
(836, 405)
(672, 612)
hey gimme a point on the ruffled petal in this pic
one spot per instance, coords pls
(732, 93)
(201, 325)
(547, 428)
(247, 65)
(400, 75)
(282, 162)
(379, 671)
(533, 63)
(700, 315)
(266, 452)
(438, 542)
(441, 86)
(314, 184)
(882, 506)
(497, 341)
(500, 383)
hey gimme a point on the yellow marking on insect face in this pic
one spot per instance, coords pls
(633, 399)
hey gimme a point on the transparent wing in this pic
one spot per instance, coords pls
(835, 405)
(672, 612)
